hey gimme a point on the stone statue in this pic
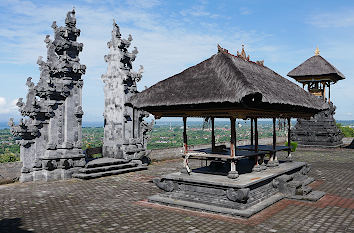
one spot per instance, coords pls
(50, 132)
(125, 131)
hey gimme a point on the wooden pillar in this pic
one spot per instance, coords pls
(256, 138)
(289, 142)
(274, 134)
(324, 90)
(233, 138)
(251, 131)
(212, 135)
(274, 140)
(233, 174)
(329, 92)
(256, 134)
(257, 167)
(185, 145)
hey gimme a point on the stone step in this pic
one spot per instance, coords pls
(309, 180)
(307, 190)
(107, 173)
(101, 162)
(107, 168)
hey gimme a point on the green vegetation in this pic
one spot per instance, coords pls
(9, 149)
(92, 137)
(162, 136)
(293, 146)
(9, 157)
(347, 131)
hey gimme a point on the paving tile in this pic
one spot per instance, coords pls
(109, 204)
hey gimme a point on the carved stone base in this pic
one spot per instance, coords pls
(46, 175)
(320, 131)
(59, 167)
(257, 168)
(273, 163)
(245, 196)
(232, 175)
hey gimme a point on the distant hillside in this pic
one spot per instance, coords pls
(4, 125)
(193, 122)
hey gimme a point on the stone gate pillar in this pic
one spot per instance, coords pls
(50, 132)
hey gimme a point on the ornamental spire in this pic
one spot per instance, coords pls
(243, 54)
(317, 52)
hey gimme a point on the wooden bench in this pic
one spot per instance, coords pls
(208, 154)
(266, 148)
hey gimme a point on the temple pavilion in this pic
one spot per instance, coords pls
(229, 86)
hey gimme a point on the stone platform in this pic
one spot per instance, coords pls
(250, 193)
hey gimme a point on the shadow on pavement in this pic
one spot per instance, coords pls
(11, 225)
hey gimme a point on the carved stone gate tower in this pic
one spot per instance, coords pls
(125, 131)
(50, 132)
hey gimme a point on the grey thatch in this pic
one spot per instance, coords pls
(316, 66)
(226, 80)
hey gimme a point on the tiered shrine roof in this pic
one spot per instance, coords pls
(316, 68)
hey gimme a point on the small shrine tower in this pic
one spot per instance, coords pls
(317, 74)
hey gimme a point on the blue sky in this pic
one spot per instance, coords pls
(174, 35)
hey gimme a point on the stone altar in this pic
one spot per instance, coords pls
(125, 131)
(320, 130)
(50, 132)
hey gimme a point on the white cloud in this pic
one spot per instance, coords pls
(144, 3)
(2, 101)
(6, 108)
(245, 11)
(333, 19)
(166, 46)
(198, 10)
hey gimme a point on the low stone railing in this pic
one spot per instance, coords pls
(9, 172)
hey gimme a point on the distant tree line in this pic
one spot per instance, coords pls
(347, 131)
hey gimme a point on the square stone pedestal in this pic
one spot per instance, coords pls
(244, 196)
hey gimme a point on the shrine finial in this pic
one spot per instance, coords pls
(243, 54)
(317, 52)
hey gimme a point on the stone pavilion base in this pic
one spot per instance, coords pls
(209, 190)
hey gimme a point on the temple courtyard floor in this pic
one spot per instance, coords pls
(118, 203)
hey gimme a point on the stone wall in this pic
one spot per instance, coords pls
(10, 172)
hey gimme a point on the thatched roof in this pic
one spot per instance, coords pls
(225, 81)
(316, 66)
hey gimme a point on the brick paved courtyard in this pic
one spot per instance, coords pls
(117, 203)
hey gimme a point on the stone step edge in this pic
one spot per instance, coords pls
(107, 168)
(245, 213)
(107, 163)
(108, 173)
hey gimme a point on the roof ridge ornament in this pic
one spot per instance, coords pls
(317, 51)
(221, 49)
(243, 54)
